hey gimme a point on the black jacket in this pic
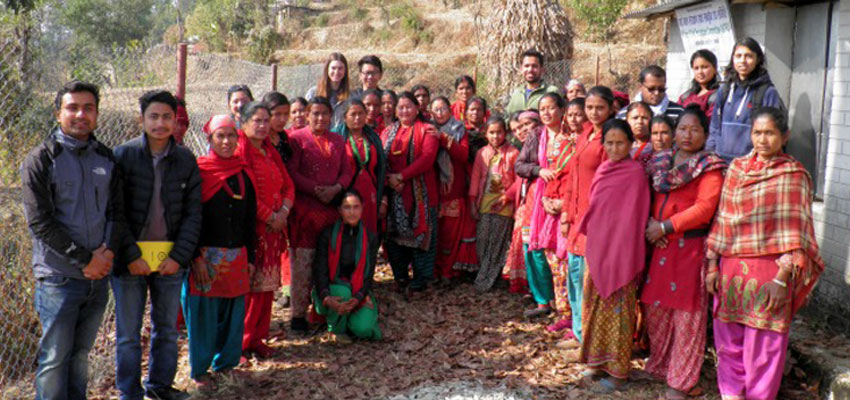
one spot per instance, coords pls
(72, 201)
(230, 222)
(181, 197)
(527, 166)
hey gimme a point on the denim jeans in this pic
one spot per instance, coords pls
(70, 311)
(130, 297)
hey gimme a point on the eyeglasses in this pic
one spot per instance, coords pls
(660, 89)
(370, 73)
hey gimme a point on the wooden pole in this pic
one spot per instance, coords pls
(274, 77)
(181, 70)
(597, 70)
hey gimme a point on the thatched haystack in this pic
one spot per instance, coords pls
(514, 26)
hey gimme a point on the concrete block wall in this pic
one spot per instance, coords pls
(778, 42)
(831, 300)
(832, 216)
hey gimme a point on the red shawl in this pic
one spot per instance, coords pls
(614, 224)
(768, 211)
(268, 147)
(215, 170)
(408, 217)
(361, 255)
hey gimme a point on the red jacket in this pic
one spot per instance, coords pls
(273, 185)
(576, 194)
(426, 143)
(461, 168)
(690, 207)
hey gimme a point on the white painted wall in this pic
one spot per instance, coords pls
(774, 29)
(833, 214)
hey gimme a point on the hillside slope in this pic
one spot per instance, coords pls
(435, 39)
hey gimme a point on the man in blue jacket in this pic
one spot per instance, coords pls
(162, 195)
(72, 201)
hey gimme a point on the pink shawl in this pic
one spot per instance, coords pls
(615, 224)
(544, 227)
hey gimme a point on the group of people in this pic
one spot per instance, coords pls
(620, 217)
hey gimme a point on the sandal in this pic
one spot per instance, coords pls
(205, 384)
(673, 394)
(568, 344)
(264, 351)
(537, 312)
(560, 325)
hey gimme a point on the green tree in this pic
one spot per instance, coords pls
(242, 25)
(218, 22)
(111, 22)
(599, 15)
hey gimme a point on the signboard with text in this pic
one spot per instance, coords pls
(707, 26)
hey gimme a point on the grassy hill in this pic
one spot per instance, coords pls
(436, 38)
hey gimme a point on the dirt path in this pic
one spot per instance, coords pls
(452, 343)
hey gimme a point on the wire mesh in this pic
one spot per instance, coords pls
(27, 88)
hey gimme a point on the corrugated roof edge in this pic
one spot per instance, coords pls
(661, 8)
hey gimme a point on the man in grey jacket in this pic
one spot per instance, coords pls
(71, 197)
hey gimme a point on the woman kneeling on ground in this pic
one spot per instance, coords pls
(343, 270)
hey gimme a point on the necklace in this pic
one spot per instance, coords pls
(356, 151)
(325, 149)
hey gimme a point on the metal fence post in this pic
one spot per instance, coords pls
(181, 70)
(274, 77)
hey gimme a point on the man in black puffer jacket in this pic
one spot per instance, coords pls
(162, 193)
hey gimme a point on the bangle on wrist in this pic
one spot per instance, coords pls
(780, 283)
(663, 229)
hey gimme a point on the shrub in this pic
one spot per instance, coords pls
(262, 43)
(599, 15)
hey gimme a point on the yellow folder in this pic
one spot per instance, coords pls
(155, 253)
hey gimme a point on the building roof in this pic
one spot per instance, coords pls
(663, 7)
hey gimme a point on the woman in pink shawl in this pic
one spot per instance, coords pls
(544, 156)
(616, 254)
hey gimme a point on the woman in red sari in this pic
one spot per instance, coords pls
(769, 260)
(389, 99)
(275, 195)
(686, 183)
(515, 268)
(574, 117)
(320, 169)
(705, 83)
(423, 96)
(372, 101)
(279, 106)
(476, 117)
(298, 113)
(411, 146)
(456, 237)
(366, 158)
(464, 90)
(638, 115)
